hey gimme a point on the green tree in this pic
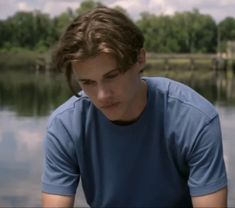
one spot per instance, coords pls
(159, 33)
(121, 9)
(43, 30)
(186, 32)
(195, 32)
(3, 33)
(61, 22)
(147, 26)
(226, 32)
(28, 29)
(227, 29)
(87, 5)
(21, 29)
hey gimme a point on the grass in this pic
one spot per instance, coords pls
(201, 75)
(20, 59)
(25, 60)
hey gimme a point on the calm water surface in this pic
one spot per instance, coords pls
(25, 104)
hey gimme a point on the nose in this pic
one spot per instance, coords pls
(104, 93)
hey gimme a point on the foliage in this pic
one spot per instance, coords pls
(155, 30)
(26, 29)
(226, 30)
(186, 32)
(60, 22)
(197, 32)
(18, 58)
(183, 32)
(87, 5)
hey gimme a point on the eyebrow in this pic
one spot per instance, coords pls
(110, 72)
(104, 75)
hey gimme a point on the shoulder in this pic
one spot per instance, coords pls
(70, 107)
(192, 134)
(70, 114)
(180, 99)
(184, 112)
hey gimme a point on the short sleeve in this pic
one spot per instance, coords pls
(206, 164)
(61, 171)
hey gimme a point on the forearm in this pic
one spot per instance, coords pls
(217, 199)
(49, 200)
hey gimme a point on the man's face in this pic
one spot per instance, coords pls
(119, 96)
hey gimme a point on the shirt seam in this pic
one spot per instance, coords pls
(67, 109)
(196, 108)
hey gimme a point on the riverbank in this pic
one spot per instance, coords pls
(26, 60)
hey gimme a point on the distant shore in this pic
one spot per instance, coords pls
(26, 60)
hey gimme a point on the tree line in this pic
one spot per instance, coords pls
(183, 32)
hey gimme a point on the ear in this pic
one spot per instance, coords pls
(141, 60)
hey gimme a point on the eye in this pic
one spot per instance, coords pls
(112, 76)
(88, 82)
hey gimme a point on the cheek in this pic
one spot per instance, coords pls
(93, 97)
(89, 91)
(122, 93)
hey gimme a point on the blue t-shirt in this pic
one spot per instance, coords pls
(172, 152)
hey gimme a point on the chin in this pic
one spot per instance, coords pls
(112, 116)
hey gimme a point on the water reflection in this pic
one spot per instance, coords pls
(34, 96)
(39, 95)
(227, 116)
(25, 104)
(20, 159)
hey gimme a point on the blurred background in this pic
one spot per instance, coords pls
(192, 42)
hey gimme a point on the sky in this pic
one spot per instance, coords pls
(218, 9)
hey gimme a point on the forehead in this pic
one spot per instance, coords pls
(94, 66)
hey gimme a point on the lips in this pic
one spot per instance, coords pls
(109, 106)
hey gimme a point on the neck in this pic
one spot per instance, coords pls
(143, 96)
(140, 105)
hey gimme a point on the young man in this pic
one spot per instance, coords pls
(133, 141)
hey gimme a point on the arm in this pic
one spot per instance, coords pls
(61, 173)
(217, 199)
(208, 180)
(49, 200)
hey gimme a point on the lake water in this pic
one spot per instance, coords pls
(26, 100)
